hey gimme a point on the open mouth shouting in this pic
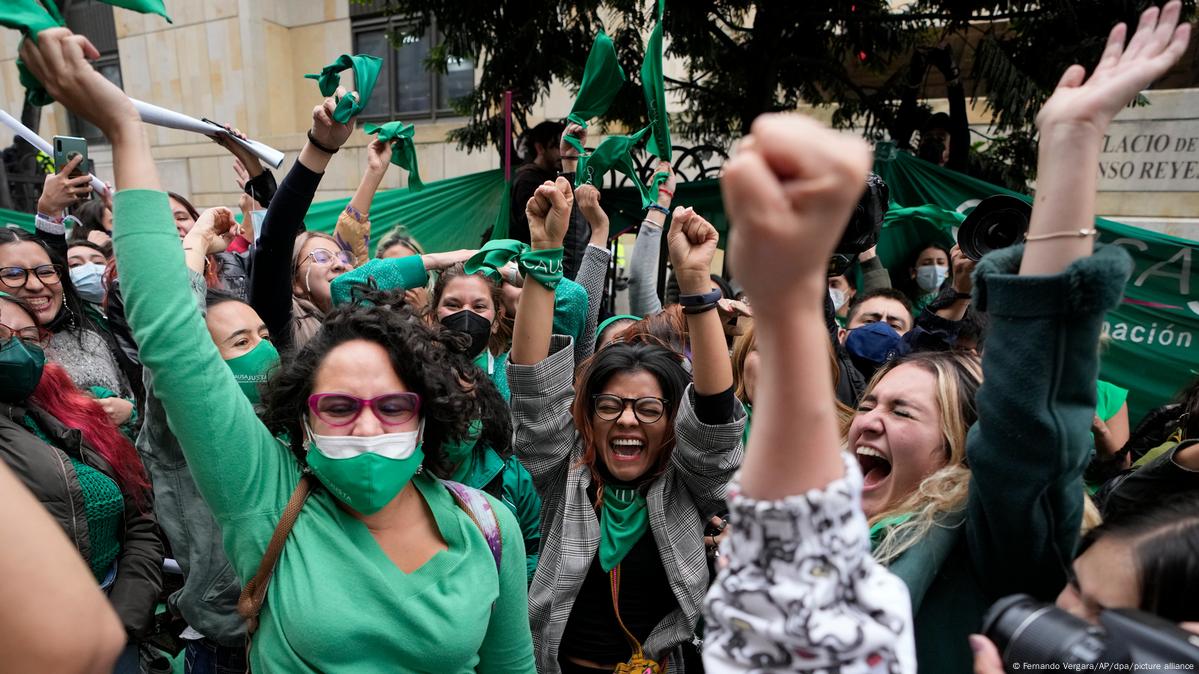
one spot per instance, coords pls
(627, 448)
(876, 466)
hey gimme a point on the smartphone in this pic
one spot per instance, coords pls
(65, 149)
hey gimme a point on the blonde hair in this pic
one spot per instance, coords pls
(958, 375)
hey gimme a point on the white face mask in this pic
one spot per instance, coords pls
(397, 446)
(89, 281)
(838, 297)
(930, 276)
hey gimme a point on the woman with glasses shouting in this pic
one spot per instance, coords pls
(629, 458)
(87, 475)
(76, 337)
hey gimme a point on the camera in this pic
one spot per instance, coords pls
(1029, 634)
(864, 225)
(996, 222)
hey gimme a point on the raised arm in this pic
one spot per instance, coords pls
(270, 269)
(353, 225)
(59, 192)
(647, 252)
(799, 500)
(549, 215)
(195, 386)
(594, 269)
(1032, 443)
(53, 618)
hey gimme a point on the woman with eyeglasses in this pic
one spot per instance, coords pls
(56, 439)
(630, 459)
(381, 569)
(76, 337)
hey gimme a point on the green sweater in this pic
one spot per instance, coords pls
(1027, 452)
(336, 602)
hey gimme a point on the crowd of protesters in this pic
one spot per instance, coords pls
(447, 462)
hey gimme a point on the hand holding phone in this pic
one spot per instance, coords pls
(67, 148)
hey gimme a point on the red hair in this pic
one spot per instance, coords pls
(59, 396)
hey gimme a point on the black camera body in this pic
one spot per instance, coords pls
(1029, 633)
(864, 226)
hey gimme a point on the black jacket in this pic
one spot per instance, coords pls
(48, 472)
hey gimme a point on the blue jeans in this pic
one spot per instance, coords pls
(205, 656)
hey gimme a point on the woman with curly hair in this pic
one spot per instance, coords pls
(381, 568)
(631, 459)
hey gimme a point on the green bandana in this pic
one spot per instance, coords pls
(653, 86)
(623, 521)
(602, 79)
(403, 150)
(33, 16)
(544, 266)
(366, 71)
(879, 531)
(613, 154)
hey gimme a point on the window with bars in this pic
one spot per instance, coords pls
(405, 89)
(94, 19)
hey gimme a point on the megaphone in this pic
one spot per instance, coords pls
(996, 222)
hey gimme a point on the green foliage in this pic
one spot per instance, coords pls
(746, 57)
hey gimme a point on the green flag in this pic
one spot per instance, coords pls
(33, 16)
(614, 154)
(366, 71)
(602, 79)
(403, 150)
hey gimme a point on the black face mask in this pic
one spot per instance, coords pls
(473, 325)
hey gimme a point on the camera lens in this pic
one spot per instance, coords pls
(996, 222)
(1030, 632)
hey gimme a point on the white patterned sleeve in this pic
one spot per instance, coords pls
(801, 593)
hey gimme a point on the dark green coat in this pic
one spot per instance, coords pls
(1026, 454)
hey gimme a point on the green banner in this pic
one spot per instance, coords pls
(1152, 350)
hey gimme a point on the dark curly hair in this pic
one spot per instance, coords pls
(666, 366)
(431, 363)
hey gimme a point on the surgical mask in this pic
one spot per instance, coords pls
(365, 473)
(871, 345)
(473, 325)
(89, 281)
(457, 452)
(930, 276)
(253, 367)
(20, 369)
(838, 297)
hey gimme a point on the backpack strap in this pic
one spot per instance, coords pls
(478, 508)
(249, 604)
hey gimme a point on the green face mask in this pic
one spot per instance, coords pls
(20, 369)
(457, 452)
(365, 473)
(252, 368)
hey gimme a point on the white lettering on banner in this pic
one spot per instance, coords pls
(1138, 334)
(1182, 258)
(1150, 155)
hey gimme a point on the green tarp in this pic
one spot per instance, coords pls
(1152, 350)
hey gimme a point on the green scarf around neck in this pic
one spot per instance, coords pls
(624, 519)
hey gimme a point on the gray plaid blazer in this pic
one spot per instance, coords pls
(704, 459)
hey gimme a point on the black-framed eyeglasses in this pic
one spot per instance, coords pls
(609, 407)
(326, 256)
(30, 335)
(17, 277)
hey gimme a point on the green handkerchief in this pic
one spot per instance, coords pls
(602, 79)
(403, 149)
(654, 87)
(614, 154)
(624, 519)
(366, 71)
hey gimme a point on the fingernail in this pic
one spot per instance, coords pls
(977, 643)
